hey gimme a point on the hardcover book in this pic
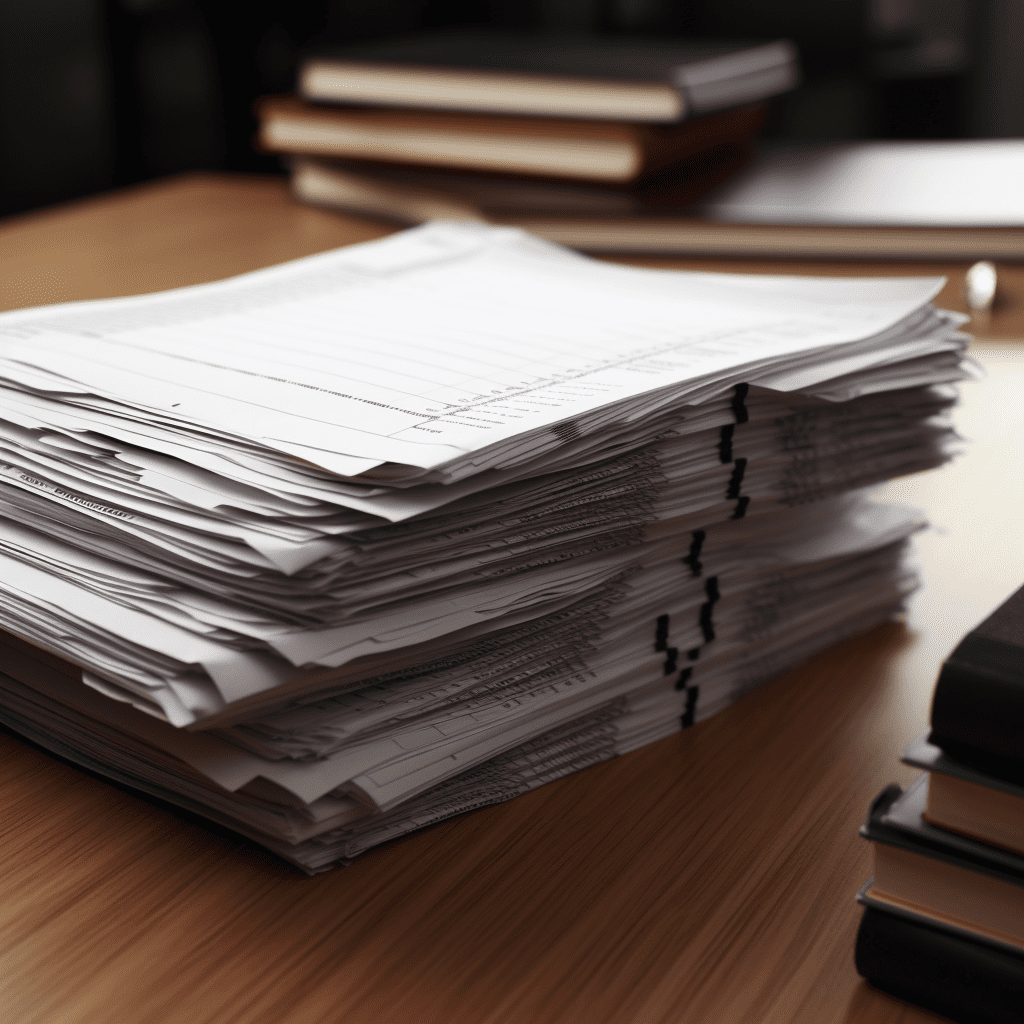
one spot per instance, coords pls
(657, 214)
(978, 708)
(940, 876)
(612, 78)
(597, 151)
(963, 799)
(965, 979)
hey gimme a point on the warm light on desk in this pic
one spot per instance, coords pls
(708, 877)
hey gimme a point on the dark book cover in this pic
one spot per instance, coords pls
(588, 77)
(896, 819)
(978, 708)
(620, 58)
(922, 753)
(938, 964)
(965, 979)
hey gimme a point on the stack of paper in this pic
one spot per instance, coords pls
(372, 538)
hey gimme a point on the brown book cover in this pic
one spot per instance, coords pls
(409, 194)
(602, 151)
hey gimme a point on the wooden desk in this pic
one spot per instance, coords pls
(708, 877)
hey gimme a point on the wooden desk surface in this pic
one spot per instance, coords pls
(708, 877)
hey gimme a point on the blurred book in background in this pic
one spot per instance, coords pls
(824, 202)
(413, 195)
(509, 127)
(602, 151)
(602, 78)
(693, 186)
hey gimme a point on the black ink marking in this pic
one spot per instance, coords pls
(693, 558)
(739, 400)
(725, 443)
(692, 693)
(707, 626)
(736, 480)
(661, 633)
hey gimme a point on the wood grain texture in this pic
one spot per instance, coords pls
(707, 877)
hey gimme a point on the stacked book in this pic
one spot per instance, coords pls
(516, 128)
(943, 924)
(338, 549)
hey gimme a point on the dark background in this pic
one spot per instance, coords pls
(100, 93)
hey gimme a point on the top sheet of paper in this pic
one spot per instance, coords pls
(433, 343)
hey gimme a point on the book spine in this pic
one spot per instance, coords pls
(969, 982)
